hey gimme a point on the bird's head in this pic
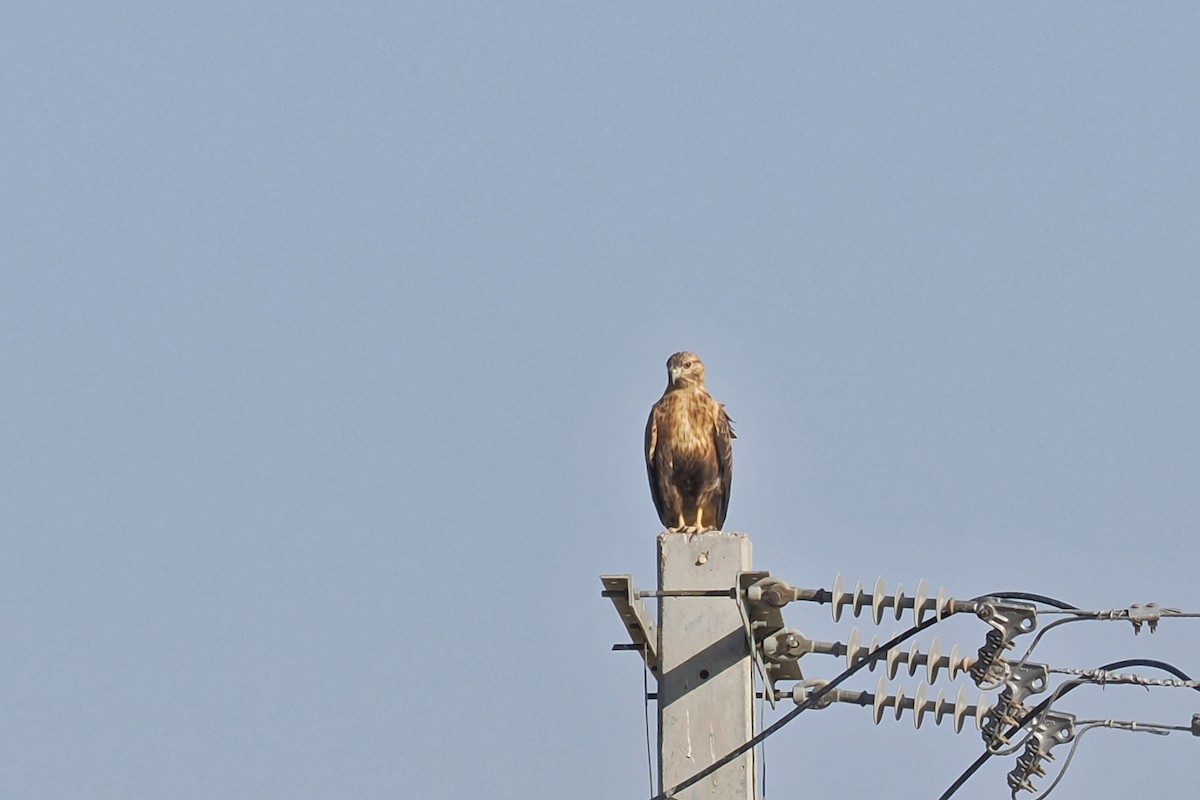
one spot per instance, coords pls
(685, 369)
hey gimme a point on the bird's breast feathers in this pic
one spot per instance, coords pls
(688, 418)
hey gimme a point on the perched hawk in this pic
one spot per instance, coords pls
(689, 451)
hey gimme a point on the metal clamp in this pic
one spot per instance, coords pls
(1008, 620)
(1053, 729)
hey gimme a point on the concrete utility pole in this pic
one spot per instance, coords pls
(705, 689)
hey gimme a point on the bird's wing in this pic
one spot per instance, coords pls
(723, 437)
(651, 467)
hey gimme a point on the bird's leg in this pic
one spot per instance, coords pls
(683, 527)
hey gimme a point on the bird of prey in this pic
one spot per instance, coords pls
(689, 451)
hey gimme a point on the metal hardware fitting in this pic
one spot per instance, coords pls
(1008, 620)
(1023, 680)
(1051, 730)
(759, 598)
(1148, 614)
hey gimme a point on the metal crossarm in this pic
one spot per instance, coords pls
(636, 618)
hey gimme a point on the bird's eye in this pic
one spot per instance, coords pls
(687, 365)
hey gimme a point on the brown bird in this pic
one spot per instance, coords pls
(689, 451)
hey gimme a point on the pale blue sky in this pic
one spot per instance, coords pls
(328, 334)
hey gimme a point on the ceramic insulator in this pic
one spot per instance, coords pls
(920, 705)
(933, 660)
(879, 600)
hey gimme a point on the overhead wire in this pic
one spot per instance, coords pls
(1042, 706)
(762, 747)
(646, 712)
(812, 700)
(1079, 615)
(1123, 614)
(1089, 724)
(1034, 598)
(815, 697)
(1036, 641)
(1103, 678)
(1063, 769)
(818, 694)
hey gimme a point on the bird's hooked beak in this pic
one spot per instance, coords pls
(675, 372)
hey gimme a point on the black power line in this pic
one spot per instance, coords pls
(815, 697)
(1042, 706)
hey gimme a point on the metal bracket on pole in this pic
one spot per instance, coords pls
(638, 622)
(762, 621)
